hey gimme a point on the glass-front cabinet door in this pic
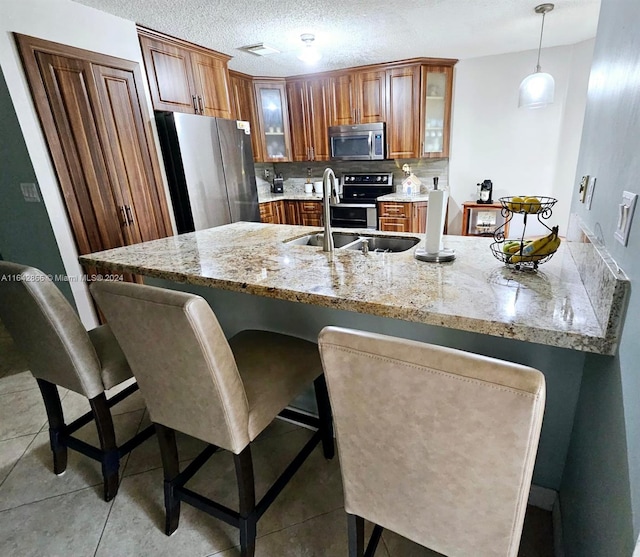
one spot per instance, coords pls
(436, 87)
(274, 121)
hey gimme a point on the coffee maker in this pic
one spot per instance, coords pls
(278, 184)
(485, 192)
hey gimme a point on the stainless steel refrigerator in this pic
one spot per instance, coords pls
(209, 164)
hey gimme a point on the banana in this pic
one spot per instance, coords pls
(539, 248)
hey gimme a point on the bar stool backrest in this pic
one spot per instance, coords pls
(435, 444)
(47, 330)
(181, 360)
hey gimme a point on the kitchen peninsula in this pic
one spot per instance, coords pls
(253, 278)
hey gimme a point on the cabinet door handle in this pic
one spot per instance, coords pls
(129, 214)
(200, 104)
(311, 153)
(195, 105)
(124, 216)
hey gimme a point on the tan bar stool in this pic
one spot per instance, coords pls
(435, 444)
(48, 332)
(222, 392)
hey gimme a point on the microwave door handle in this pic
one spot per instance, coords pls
(370, 141)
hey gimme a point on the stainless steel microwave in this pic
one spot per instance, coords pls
(360, 142)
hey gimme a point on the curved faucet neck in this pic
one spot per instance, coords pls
(330, 196)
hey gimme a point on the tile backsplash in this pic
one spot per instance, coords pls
(295, 173)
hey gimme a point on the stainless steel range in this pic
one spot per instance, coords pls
(357, 208)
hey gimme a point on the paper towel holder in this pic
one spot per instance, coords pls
(442, 256)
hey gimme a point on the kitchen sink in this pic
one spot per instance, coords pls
(383, 244)
(340, 239)
(376, 244)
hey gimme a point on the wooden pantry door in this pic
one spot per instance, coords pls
(94, 123)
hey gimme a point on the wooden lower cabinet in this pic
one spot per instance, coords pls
(272, 212)
(305, 213)
(402, 216)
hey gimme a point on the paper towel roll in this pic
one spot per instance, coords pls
(436, 211)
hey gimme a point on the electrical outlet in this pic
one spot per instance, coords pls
(582, 189)
(625, 216)
(266, 173)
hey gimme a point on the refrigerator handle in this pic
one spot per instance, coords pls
(200, 104)
(195, 106)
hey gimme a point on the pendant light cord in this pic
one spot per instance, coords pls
(538, 68)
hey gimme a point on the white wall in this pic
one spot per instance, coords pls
(75, 25)
(530, 152)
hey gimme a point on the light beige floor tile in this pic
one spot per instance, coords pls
(320, 536)
(10, 451)
(67, 525)
(15, 381)
(136, 524)
(32, 479)
(315, 489)
(21, 413)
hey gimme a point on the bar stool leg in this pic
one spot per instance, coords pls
(53, 406)
(355, 528)
(324, 413)
(171, 467)
(107, 437)
(247, 497)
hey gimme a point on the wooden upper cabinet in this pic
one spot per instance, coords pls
(358, 98)
(184, 77)
(309, 119)
(170, 76)
(243, 108)
(370, 93)
(212, 84)
(273, 120)
(403, 112)
(343, 112)
(436, 95)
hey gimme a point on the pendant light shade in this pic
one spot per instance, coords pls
(537, 90)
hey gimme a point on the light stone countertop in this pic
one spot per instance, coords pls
(267, 197)
(404, 198)
(475, 293)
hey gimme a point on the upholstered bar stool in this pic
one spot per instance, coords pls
(222, 392)
(435, 444)
(60, 351)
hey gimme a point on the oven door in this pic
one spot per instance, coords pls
(351, 215)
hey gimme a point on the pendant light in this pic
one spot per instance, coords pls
(537, 89)
(309, 53)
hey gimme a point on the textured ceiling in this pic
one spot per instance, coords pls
(354, 33)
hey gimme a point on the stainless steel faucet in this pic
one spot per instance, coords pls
(330, 190)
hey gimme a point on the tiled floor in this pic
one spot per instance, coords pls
(45, 515)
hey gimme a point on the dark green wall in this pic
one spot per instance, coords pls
(26, 235)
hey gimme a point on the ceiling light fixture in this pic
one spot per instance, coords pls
(537, 89)
(309, 52)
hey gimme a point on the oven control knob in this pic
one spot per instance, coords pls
(378, 178)
(384, 178)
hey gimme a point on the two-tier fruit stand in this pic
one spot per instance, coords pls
(542, 211)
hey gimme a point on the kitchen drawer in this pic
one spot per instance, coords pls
(395, 210)
(310, 207)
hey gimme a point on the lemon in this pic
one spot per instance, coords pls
(532, 205)
(516, 204)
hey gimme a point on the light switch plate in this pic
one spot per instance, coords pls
(625, 216)
(582, 189)
(592, 186)
(30, 192)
